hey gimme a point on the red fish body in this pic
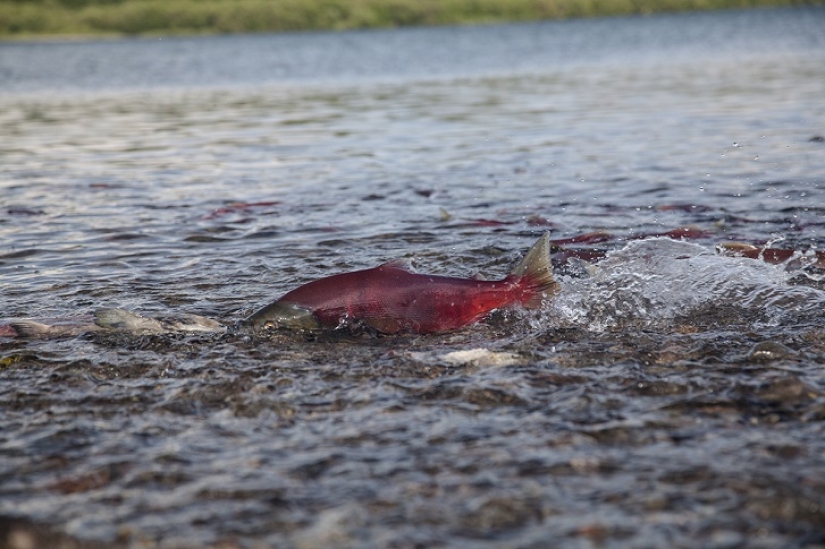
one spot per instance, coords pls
(391, 299)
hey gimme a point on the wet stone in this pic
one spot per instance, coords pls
(769, 351)
(490, 396)
(497, 514)
(18, 533)
(787, 391)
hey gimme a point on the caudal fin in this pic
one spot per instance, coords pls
(30, 328)
(536, 272)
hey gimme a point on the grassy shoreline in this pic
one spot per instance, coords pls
(32, 19)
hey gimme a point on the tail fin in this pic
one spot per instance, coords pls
(537, 272)
(30, 328)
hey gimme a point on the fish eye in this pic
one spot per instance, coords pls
(269, 325)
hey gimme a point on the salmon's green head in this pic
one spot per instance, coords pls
(283, 315)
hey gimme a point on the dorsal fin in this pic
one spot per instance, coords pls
(537, 271)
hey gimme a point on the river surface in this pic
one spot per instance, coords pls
(670, 395)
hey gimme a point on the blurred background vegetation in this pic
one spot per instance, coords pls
(31, 18)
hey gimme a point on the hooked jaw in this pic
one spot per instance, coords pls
(282, 315)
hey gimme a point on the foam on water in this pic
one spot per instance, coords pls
(658, 282)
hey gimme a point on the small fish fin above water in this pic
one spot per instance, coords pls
(581, 267)
(30, 328)
(119, 319)
(537, 271)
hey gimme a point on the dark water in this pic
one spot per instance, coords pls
(671, 397)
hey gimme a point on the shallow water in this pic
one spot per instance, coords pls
(669, 397)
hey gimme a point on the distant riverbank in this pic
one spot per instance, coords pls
(54, 18)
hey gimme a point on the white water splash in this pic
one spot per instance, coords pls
(653, 282)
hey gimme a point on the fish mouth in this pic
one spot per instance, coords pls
(282, 315)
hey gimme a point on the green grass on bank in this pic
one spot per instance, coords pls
(31, 18)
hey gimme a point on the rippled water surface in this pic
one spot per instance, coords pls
(670, 395)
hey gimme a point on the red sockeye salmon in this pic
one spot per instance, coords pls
(392, 299)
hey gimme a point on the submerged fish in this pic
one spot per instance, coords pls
(110, 320)
(126, 321)
(774, 256)
(392, 299)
